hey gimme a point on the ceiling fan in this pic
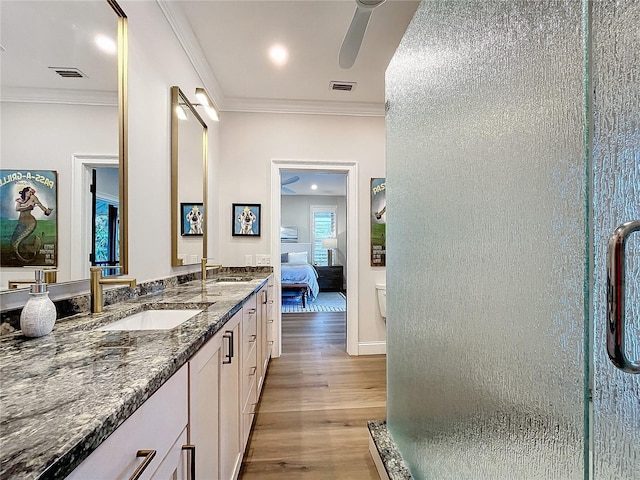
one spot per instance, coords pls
(288, 181)
(353, 39)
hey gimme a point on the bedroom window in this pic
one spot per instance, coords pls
(323, 225)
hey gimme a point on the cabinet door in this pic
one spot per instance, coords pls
(175, 464)
(229, 397)
(155, 426)
(270, 332)
(263, 347)
(204, 377)
(249, 364)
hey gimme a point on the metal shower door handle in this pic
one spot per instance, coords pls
(616, 263)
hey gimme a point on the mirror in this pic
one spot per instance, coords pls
(188, 182)
(62, 98)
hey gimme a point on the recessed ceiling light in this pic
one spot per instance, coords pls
(314, 187)
(278, 55)
(106, 44)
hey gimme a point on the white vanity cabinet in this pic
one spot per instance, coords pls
(229, 401)
(208, 405)
(158, 426)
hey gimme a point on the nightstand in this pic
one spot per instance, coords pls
(330, 278)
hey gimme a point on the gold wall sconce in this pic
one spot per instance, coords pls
(206, 102)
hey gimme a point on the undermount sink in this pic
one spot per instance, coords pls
(232, 281)
(152, 320)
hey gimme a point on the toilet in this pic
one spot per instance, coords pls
(381, 290)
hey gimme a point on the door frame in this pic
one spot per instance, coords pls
(350, 168)
(80, 225)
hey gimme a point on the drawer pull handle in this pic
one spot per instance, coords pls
(253, 371)
(228, 335)
(148, 457)
(251, 311)
(192, 463)
(252, 338)
(270, 320)
(270, 342)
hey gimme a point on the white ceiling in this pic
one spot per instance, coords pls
(333, 184)
(235, 36)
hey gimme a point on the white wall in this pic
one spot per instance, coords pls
(248, 143)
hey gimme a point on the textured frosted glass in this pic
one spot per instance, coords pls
(616, 197)
(486, 274)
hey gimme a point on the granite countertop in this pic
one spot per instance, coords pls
(63, 394)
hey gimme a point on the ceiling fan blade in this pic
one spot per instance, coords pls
(288, 191)
(293, 179)
(353, 38)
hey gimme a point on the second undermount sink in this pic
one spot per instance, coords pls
(152, 320)
(232, 280)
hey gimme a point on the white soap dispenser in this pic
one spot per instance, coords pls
(39, 313)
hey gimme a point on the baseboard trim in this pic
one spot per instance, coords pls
(372, 348)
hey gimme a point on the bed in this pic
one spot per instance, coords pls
(299, 279)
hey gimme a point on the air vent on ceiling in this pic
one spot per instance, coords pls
(342, 86)
(68, 72)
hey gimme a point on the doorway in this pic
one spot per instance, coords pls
(282, 170)
(313, 216)
(81, 207)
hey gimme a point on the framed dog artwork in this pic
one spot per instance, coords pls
(246, 220)
(191, 219)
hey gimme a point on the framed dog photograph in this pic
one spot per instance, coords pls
(191, 219)
(246, 220)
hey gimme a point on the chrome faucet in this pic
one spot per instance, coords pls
(97, 281)
(206, 265)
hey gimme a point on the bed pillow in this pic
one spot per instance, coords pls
(284, 258)
(298, 257)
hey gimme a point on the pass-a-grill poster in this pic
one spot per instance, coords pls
(28, 218)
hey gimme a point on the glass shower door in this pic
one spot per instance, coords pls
(615, 67)
(502, 191)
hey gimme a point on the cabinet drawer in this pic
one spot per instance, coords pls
(249, 376)
(248, 413)
(249, 340)
(154, 426)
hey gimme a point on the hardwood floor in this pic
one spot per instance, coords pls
(312, 419)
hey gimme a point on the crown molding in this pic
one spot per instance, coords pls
(180, 25)
(305, 107)
(59, 96)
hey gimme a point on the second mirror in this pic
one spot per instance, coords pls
(188, 182)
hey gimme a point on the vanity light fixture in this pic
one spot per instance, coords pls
(206, 102)
(181, 113)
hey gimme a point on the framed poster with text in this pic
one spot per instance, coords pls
(378, 223)
(28, 218)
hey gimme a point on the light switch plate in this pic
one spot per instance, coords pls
(248, 260)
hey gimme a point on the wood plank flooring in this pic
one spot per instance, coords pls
(312, 419)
